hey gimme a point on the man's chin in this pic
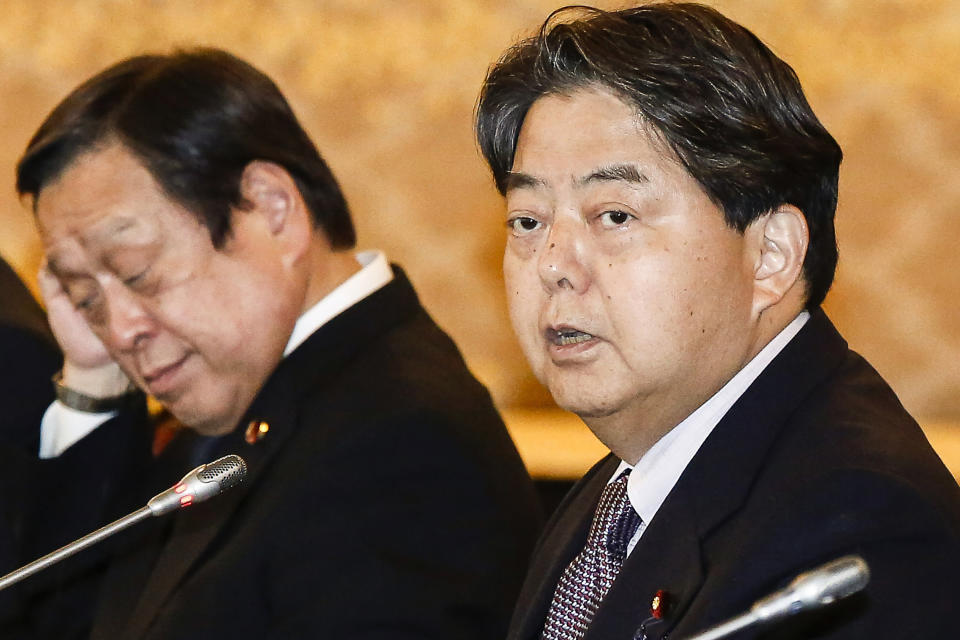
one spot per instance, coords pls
(585, 407)
(203, 422)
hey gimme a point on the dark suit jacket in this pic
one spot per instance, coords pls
(28, 358)
(816, 460)
(386, 500)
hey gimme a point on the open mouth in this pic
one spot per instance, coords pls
(566, 337)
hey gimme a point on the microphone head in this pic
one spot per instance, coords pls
(202, 483)
(843, 577)
(228, 471)
(815, 588)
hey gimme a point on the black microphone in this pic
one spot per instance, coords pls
(810, 590)
(203, 483)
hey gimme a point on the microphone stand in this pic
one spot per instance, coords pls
(204, 482)
(77, 545)
(727, 627)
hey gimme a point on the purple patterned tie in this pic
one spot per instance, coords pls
(588, 577)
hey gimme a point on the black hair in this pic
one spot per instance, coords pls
(732, 112)
(195, 119)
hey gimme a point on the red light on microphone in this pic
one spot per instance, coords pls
(180, 488)
(186, 501)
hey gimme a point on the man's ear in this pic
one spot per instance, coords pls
(780, 238)
(270, 193)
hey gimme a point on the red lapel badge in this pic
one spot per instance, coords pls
(658, 609)
(658, 606)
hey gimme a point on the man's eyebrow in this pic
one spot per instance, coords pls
(59, 270)
(53, 267)
(615, 172)
(517, 180)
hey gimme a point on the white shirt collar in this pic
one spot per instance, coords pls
(655, 474)
(374, 274)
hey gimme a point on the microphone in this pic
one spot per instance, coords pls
(810, 590)
(203, 483)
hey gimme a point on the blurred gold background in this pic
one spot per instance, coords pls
(387, 90)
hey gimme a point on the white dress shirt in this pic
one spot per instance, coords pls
(62, 426)
(656, 473)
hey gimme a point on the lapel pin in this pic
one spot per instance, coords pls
(658, 606)
(256, 431)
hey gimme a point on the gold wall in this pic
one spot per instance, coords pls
(387, 90)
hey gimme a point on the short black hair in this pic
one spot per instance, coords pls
(195, 119)
(732, 112)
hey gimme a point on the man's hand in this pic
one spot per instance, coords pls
(87, 365)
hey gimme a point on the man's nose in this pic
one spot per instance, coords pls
(128, 321)
(561, 264)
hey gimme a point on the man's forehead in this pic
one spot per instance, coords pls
(104, 196)
(586, 137)
(100, 231)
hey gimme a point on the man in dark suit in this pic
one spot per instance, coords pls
(199, 249)
(670, 199)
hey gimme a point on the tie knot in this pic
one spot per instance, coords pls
(617, 518)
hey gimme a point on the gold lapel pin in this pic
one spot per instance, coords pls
(256, 431)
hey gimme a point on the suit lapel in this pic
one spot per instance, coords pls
(117, 599)
(321, 357)
(721, 474)
(192, 533)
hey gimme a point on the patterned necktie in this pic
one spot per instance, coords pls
(588, 577)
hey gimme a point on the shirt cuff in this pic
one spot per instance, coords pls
(62, 427)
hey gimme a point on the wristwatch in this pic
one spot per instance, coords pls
(90, 404)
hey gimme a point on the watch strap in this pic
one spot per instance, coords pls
(90, 404)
